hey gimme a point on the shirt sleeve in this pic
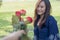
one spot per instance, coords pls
(53, 29)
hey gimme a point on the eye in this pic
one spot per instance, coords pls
(41, 6)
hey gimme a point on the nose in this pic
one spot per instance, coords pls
(38, 9)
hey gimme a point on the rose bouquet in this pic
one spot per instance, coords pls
(21, 24)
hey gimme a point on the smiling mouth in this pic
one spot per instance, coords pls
(39, 12)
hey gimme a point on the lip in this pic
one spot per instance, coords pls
(38, 11)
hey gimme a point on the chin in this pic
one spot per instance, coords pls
(39, 14)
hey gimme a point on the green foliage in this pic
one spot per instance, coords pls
(0, 2)
(15, 20)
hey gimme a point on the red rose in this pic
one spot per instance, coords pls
(18, 13)
(23, 12)
(29, 19)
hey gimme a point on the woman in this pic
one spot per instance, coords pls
(45, 25)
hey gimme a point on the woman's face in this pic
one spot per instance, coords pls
(41, 8)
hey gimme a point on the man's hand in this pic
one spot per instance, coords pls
(14, 35)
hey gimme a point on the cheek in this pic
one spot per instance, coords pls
(38, 9)
(43, 10)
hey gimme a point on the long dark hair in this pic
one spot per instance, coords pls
(46, 14)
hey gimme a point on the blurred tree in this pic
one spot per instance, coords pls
(0, 3)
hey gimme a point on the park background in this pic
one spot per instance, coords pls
(8, 8)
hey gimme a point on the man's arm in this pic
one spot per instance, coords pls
(14, 35)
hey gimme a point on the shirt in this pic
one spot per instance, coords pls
(48, 31)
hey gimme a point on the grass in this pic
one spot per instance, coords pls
(8, 9)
